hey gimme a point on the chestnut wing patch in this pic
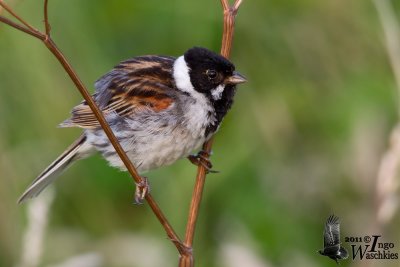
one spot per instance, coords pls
(136, 85)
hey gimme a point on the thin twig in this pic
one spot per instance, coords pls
(96, 111)
(187, 259)
(237, 5)
(22, 28)
(9, 10)
(46, 18)
(225, 5)
(117, 146)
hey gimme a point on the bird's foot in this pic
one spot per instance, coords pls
(142, 189)
(202, 158)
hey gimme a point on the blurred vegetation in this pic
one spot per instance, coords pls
(303, 140)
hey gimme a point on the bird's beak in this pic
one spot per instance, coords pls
(236, 78)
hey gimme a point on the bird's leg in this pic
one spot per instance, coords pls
(142, 189)
(202, 158)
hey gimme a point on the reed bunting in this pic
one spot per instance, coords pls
(160, 108)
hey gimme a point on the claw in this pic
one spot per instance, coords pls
(142, 189)
(202, 158)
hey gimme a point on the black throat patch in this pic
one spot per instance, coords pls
(221, 107)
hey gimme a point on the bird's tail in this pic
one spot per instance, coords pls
(77, 150)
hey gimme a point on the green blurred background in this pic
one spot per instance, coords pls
(304, 139)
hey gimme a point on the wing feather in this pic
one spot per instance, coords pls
(332, 232)
(135, 85)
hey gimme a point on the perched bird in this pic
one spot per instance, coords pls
(332, 247)
(160, 108)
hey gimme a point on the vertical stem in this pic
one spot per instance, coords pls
(187, 259)
(387, 182)
(46, 18)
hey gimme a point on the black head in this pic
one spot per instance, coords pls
(214, 76)
(208, 70)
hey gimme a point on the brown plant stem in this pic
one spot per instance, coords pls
(12, 13)
(46, 39)
(187, 259)
(46, 18)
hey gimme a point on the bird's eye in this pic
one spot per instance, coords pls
(212, 74)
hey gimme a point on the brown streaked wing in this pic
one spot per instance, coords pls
(135, 85)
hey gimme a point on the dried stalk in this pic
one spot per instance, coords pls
(46, 39)
(35, 232)
(387, 182)
(187, 259)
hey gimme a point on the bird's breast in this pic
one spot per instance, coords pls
(152, 140)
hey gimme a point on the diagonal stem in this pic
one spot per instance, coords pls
(187, 259)
(22, 28)
(12, 13)
(96, 111)
(117, 146)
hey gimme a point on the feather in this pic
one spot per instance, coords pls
(76, 151)
(332, 232)
(135, 85)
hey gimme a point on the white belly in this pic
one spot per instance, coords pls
(149, 150)
(154, 140)
(164, 151)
